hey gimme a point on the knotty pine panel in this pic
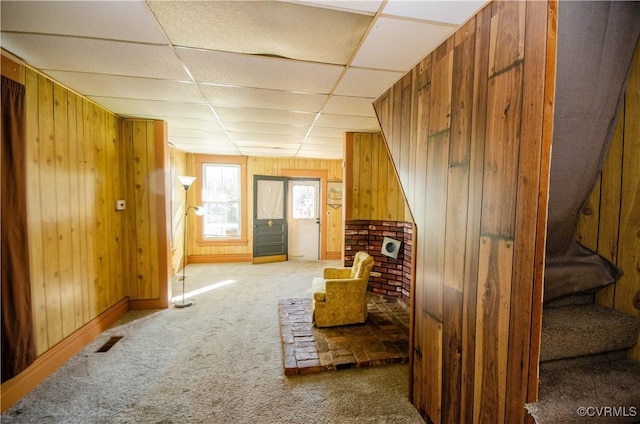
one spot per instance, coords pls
(610, 218)
(146, 187)
(72, 173)
(372, 189)
(475, 187)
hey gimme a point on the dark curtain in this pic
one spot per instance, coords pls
(18, 343)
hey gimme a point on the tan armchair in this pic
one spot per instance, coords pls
(340, 296)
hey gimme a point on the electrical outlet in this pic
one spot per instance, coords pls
(121, 205)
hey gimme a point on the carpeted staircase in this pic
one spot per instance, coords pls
(584, 373)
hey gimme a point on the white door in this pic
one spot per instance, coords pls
(304, 220)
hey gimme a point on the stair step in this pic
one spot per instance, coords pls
(611, 385)
(574, 299)
(584, 330)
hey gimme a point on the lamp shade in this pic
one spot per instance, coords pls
(186, 181)
(198, 210)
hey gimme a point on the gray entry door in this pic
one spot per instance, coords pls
(269, 219)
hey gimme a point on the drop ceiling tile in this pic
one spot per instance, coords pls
(266, 128)
(248, 139)
(264, 115)
(266, 152)
(114, 20)
(47, 53)
(346, 123)
(129, 87)
(387, 46)
(260, 72)
(319, 153)
(354, 106)
(154, 109)
(363, 6)
(452, 12)
(324, 141)
(197, 133)
(260, 98)
(269, 28)
(206, 148)
(371, 83)
(193, 123)
(322, 132)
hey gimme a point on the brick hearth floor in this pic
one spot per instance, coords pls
(382, 339)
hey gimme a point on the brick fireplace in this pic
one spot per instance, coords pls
(389, 277)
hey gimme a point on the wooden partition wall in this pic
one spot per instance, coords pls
(469, 130)
(88, 261)
(371, 187)
(609, 222)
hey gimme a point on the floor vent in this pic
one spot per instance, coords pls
(109, 344)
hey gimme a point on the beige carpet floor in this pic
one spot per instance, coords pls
(219, 361)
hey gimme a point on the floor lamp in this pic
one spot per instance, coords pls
(198, 210)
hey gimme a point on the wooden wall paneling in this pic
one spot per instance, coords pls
(157, 215)
(432, 368)
(587, 228)
(476, 171)
(501, 152)
(90, 202)
(394, 197)
(507, 35)
(419, 208)
(456, 219)
(84, 229)
(434, 222)
(385, 179)
(364, 183)
(629, 284)
(526, 239)
(609, 211)
(355, 188)
(141, 184)
(543, 196)
(63, 208)
(160, 202)
(396, 122)
(75, 171)
(375, 190)
(458, 174)
(100, 147)
(436, 177)
(130, 262)
(116, 184)
(413, 142)
(34, 203)
(492, 329)
(406, 128)
(49, 213)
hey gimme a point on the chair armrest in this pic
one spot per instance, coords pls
(319, 296)
(336, 273)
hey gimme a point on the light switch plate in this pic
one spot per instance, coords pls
(121, 205)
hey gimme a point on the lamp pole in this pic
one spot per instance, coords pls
(186, 183)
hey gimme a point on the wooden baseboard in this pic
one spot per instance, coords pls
(209, 259)
(269, 259)
(334, 255)
(14, 389)
(143, 304)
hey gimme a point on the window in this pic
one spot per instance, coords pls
(303, 202)
(222, 196)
